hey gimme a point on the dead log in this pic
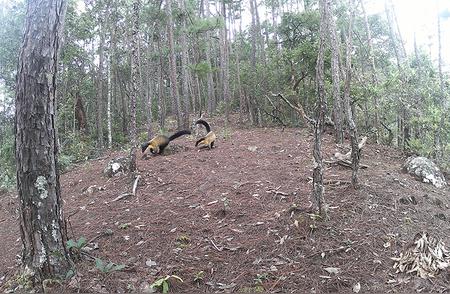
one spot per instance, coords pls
(345, 159)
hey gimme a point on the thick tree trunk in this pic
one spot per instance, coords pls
(135, 78)
(318, 189)
(173, 66)
(349, 113)
(42, 224)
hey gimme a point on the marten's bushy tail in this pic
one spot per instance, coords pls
(179, 134)
(202, 122)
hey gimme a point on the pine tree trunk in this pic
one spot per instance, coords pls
(374, 75)
(161, 92)
(210, 81)
(349, 113)
(99, 120)
(335, 57)
(318, 188)
(439, 144)
(108, 111)
(238, 73)
(42, 224)
(149, 88)
(224, 64)
(262, 50)
(184, 67)
(173, 66)
(135, 78)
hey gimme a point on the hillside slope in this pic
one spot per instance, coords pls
(227, 212)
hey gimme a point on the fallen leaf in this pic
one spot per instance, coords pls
(333, 270)
(356, 288)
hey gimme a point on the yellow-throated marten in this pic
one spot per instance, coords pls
(210, 137)
(159, 142)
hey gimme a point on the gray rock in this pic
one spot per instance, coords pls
(117, 165)
(426, 170)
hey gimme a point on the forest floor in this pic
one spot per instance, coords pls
(223, 219)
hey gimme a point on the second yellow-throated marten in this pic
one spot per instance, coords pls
(159, 142)
(210, 137)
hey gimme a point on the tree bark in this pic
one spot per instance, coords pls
(318, 189)
(439, 145)
(173, 66)
(224, 64)
(184, 67)
(337, 101)
(108, 110)
(262, 51)
(135, 78)
(149, 88)
(374, 75)
(42, 224)
(348, 111)
(210, 81)
(99, 114)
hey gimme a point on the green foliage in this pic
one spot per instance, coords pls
(77, 245)
(77, 147)
(109, 267)
(12, 17)
(163, 283)
(199, 277)
(7, 156)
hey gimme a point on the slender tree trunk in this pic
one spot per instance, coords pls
(161, 92)
(42, 224)
(108, 111)
(274, 8)
(439, 144)
(253, 36)
(173, 66)
(318, 188)
(99, 121)
(262, 51)
(224, 64)
(149, 89)
(337, 101)
(374, 75)
(238, 72)
(210, 81)
(134, 81)
(184, 67)
(348, 111)
(398, 47)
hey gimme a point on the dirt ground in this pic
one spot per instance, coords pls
(222, 219)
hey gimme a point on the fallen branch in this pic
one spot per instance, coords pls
(133, 193)
(274, 111)
(347, 156)
(215, 246)
(297, 108)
